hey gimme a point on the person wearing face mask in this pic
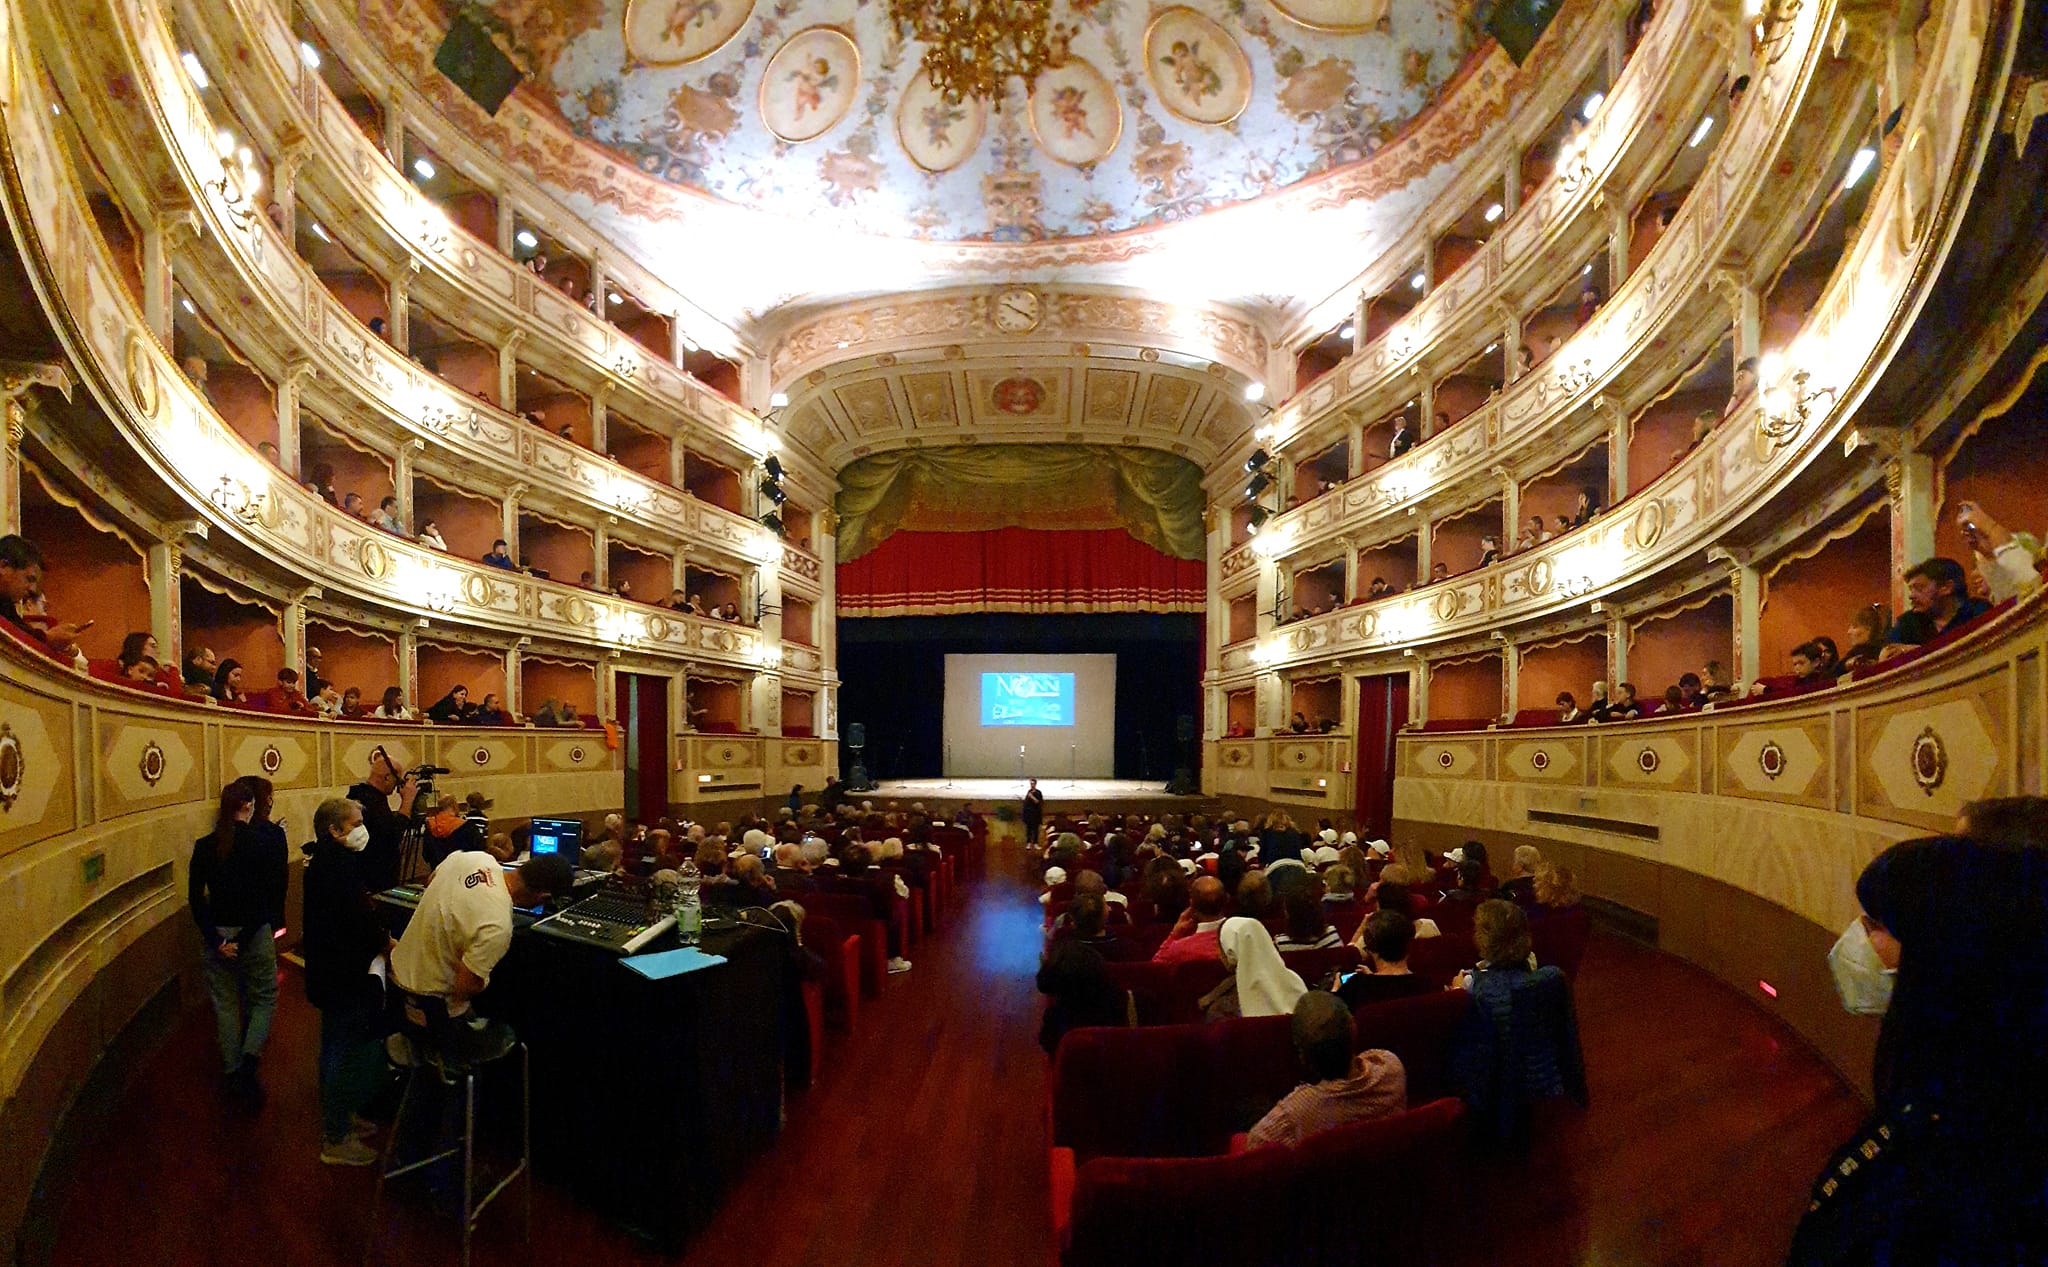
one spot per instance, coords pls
(236, 888)
(1952, 1166)
(344, 943)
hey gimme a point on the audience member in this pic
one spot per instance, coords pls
(1624, 707)
(235, 887)
(1867, 630)
(430, 536)
(21, 578)
(352, 703)
(491, 712)
(387, 829)
(328, 702)
(1489, 550)
(1340, 1087)
(1520, 888)
(393, 706)
(2012, 820)
(452, 708)
(342, 937)
(227, 683)
(498, 557)
(386, 517)
(1261, 983)
(1597, 708)
(286, 697)
(140, 673)
(1195, 932)
(1307, 925)
(1403, 438)
(200, 666)
(1568, 713)
(1074, 979)
(1949, 947)
(1937, 593)
(1383, 941)
(2009, 562)
(1588, 509)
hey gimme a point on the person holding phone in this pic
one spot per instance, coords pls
(21, 579)
(2009, 562)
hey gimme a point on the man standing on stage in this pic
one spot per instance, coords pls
(1034, 812)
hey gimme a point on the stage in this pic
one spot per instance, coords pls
(1061, 795)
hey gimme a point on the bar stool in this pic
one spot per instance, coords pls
(424, 1059)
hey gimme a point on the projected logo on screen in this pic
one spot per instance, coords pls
(1027, 699)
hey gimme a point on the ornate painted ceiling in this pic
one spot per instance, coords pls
(814, 108)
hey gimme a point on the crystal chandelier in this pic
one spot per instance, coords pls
(974, 47)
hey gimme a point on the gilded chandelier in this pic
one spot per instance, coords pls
(974, 47)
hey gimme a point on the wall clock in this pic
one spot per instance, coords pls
(1017, 311)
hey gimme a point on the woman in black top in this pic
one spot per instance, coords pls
(343, 938)
(452, 707)
(227, 682)
(236, 887)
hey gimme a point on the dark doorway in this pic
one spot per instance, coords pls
(643, 700)
(1382, 710)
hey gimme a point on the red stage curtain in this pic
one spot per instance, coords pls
(1017, 570)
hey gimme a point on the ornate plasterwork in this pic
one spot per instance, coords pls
(1065, 314)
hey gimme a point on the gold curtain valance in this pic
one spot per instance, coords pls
(1154, 496)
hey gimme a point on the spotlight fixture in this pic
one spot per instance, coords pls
(772, 490)
(196, 69)
(320, 231)
(773, 523)
(1258, 459)
(1418, 281)
(1259, 484)
(780, 400)
(1259, 517)
(773, 466)
(1858, 166)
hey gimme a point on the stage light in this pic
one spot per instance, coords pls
(774, 468)
(526, 238)
(1592, 105)
(1418, 281)
(773, 492)
(1859, 165)
(1346, 331)
(320, 231)
(1254, 392)
(309, 55)
(1260, 483)
(423, 169)
(186, 304)
(1258, 518)
(773, 523)
(1258, 459)
(1495, 212)
(194, 68)
(779, 400)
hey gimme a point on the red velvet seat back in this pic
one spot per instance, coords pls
(1441, 958)
(1558, 935)
(1313, 965)
(1135, 1093)
(1420, 1031)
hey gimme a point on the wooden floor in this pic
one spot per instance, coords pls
(923, 1144)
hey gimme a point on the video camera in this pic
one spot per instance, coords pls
(424, 800)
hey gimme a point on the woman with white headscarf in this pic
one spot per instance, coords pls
(1266, 986)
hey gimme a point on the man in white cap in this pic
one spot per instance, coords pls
(1054, 877)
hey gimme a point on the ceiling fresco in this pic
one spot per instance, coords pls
(816, 109)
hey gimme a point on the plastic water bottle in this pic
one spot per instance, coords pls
(690, 915)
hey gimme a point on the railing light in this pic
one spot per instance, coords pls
(1495, 212)
(1859, 165)
(1592, 105)
(194, 68)
(1700, 133)
(526, 238)
(309, 55)
(423, 169)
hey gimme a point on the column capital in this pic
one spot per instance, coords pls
(1730, 285)
(170, 222)
(512, 340)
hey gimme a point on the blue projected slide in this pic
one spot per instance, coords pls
(1027, 699)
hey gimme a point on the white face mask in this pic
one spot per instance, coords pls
(1861, 978)
(357, 840)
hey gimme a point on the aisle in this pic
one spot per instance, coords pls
(923, 1145)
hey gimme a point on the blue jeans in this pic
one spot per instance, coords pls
(244, 991)
(352, 1064)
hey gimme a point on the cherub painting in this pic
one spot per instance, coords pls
(1194, 73)
(1070, 107)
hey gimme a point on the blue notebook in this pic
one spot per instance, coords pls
(672, 963)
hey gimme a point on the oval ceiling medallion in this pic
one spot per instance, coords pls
(1075, 115)
(937, 136)
(1197, 71)
(810, 83)
(671, 32)
(1346, 17)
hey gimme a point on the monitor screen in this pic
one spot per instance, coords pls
(562, 836)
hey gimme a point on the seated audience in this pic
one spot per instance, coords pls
(286, 697)
(1074, 980)
(200, 665)
(328, 702)
(1307, 924)
(430, 536)
(1340, 1087)
(393, 706)
(352, 703)
(1830, 661)
(21, 579)
(451, 708)
(1715, 684)
(1195, 932)
(1403, 439)
(1809, 666)
(1568, 713)
(1261, 983)
(1938, 595)
(1520, 888)
(491, 712)
(1597, 707)
(141, 672)
(499, 557)
(227, 683)
(1588, 509)
(1489, 550)
(386, 517)
(1624, 707)
(1298, 723)
(1253, 892)
(1867, 630)
(2009, 562)
(1673, 703)
(1165, 887)
(1383, 941)
(2013, 820)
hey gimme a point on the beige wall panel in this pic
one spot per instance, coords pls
(1921, 760)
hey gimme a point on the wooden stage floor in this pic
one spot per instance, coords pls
(923, 1144)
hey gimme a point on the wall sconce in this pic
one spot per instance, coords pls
(233, 497)
(1786, 406)
(239, 181)
(1574, 170)
(1770, 27)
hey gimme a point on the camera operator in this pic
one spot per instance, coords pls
(380, 858)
